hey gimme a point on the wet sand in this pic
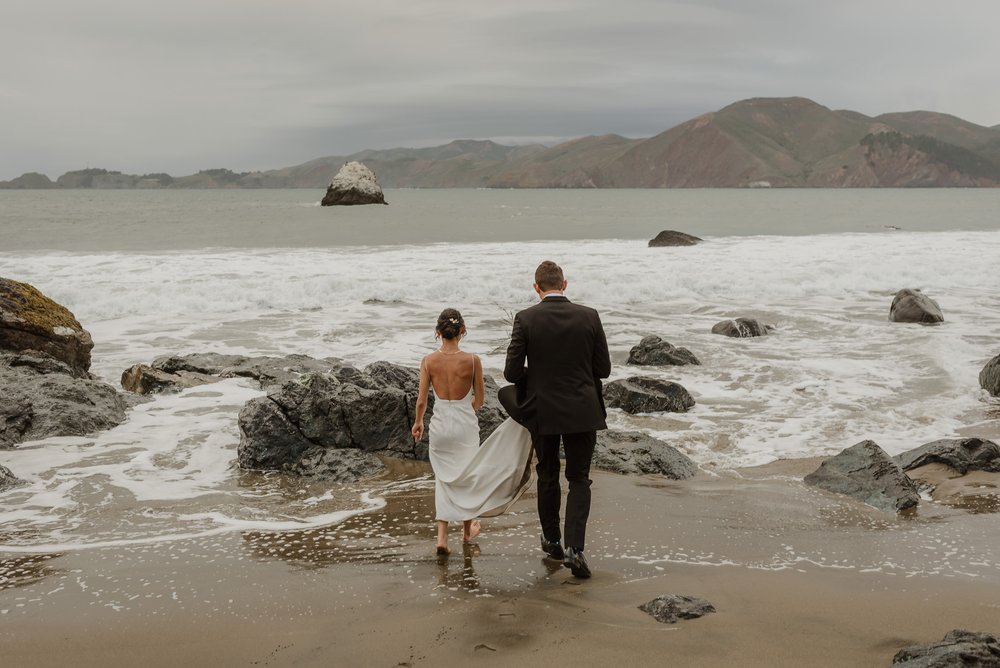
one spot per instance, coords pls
(799, 578)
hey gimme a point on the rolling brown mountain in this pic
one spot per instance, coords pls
(760, 142)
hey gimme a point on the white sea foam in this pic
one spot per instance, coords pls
(835, 371)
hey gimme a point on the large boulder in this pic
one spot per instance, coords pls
(670, 608)
(741, 328)
(914, 306)
(353, 184)
(864, 471)
(369, 411)
(635, 453)
(654, 351)
(8, 480)
(961, 454)
(30, 321)
(959, 649)
(673, 238)
(989, 377)
(42, 397)
(638, 394)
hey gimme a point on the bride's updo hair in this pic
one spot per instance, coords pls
(450, 323)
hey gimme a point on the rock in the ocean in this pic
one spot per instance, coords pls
(370, 411)
(353, 184)
(914, 306)
(172, 373)
(989, 377)
(741, 328)
(673, 238)
(638, 394)
(635, 453)
(30, 321)
(959, 649)
(654, 351)
(337, 464)
(8, 480)
(143, 379)
(864, 471)
(42, 397)
(961, 454)
(669, 608)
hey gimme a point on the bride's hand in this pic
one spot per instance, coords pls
(417, 431)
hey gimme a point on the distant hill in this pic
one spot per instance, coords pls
(760, 142)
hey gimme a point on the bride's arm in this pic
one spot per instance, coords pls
(478, 384)
(425, 383)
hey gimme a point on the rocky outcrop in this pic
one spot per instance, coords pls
(865, 472)
(741, 328)
(635, 453)
(958, 649)
(914, 306)
(172, 373)
(673, 238)
(654, 351)
(369, 411)
(353, 184)
(30, 321)
(42, 397)
(670, 608)
(638, 394)
(8, 480)
(989, 377)
(961, 454)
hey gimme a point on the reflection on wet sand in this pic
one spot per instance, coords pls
(25, 569)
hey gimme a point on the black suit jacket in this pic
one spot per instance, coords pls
(566, 353)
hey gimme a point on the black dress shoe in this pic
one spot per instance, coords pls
(576, 562)
(553, 549)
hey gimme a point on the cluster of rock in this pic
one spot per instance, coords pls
(958, 648)
(866, 472)
(45, 384)
(353, 184)
(173, 373)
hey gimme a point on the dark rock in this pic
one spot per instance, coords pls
(337, 464)
(914, 306)
(42, 397)
(989, 377)
(211, 364)
(370, 411)
(654, 351)
(741, 328)
(961, 454)
(8, 480)
(864, 471)
(143, 379)
(638, 394)
(673, 238)
(353, 184)
(635, 453)
(30, 321)
(959, 649)
(669, 608)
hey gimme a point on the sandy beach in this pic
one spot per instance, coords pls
(799, 577)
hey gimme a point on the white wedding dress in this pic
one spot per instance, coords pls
(473, 480)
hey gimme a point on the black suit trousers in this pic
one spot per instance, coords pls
(579, 451)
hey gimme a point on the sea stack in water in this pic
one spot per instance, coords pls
(354, 184)
(673, 238)
(914, 306)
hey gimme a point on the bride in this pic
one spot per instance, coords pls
(470, 480)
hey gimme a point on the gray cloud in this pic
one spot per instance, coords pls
(186, 85)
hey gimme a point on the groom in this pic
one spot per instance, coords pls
(567, 356)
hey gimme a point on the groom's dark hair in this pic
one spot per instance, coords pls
(549, 276)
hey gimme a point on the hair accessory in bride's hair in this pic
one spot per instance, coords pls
(453, 321)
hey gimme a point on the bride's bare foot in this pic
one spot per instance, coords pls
(474, 528)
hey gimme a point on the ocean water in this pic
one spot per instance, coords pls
(271, 272)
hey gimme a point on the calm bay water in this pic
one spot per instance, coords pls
(271, 272)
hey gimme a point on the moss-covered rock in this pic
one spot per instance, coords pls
(30, 321)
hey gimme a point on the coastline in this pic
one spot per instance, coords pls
(798, 576)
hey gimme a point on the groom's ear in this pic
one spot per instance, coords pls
(565, 283)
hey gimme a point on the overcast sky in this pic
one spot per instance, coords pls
(183, 85)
